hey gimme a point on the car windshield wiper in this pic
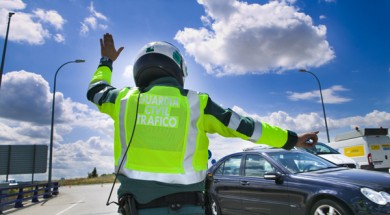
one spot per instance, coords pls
(330, 168)
(320, 169)
(324, 153)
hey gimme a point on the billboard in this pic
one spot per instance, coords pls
(23, 159)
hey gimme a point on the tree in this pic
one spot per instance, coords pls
(93, 174)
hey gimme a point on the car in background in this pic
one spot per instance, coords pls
(277, 181)
(332, 155)
(10, 182)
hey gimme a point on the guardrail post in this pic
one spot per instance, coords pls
(55, 188)
(47, 191)
(1, 197)
(19, 199)
(35, 196)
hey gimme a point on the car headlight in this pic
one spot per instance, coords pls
(380, 198)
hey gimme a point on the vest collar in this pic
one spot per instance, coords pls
(165, 81)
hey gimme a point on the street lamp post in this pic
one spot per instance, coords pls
(322, 100)
(5, 46)
(52, 117)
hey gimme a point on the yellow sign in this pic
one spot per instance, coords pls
(375, 147)
(354, 151)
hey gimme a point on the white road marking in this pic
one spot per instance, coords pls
(68, 208)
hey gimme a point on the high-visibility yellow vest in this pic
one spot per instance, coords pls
(166, 144)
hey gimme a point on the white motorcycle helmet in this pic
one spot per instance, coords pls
(156, 60)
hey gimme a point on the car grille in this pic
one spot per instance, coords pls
(349, 165)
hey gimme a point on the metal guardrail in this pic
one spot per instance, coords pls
(21, 193)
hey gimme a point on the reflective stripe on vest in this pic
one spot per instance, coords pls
(98, 95)
(189, 176)
(193, 101)
(122, 124)
(234, 123)
(257, 132)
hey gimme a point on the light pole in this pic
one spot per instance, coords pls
(5, 46)
(52, 117)
(322, 100)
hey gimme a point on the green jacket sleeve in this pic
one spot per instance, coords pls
(228, 123)
(100, 92)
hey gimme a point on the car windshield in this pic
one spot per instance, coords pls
(321, 149)
(298, 161)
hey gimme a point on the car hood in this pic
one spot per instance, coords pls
(356, 177)
(337, 158)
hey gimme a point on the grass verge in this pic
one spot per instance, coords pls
(83, 181)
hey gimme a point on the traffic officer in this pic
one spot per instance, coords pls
(160, 141)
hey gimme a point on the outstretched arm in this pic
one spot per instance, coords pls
(100, 91)
(228, 123)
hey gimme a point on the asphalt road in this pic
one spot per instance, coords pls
(73, 200)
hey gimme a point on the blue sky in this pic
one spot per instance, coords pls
(245, 54)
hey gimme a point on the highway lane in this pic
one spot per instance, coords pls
(73, 200)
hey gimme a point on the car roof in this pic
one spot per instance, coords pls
(264, 149)
(267, 150)
(255, 150)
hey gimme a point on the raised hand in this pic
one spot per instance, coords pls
(107, 47)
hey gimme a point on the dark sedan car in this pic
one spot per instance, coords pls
(277, 181)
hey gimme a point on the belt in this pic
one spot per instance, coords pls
(175, 201)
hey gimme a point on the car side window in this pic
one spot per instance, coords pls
(257, 166)
(231, 167)
(322, 149)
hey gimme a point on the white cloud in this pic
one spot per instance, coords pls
(95, 13)
(16, 132)
(322, 17)
(34, 101)
(12, 4)
(84, 29)
(329, 95)
(240, 38)
(221, 146)
(51, 16)
(59, 38)
(128, 73)
(24, 28)
(94, 152)
(313, 121)
(103, 27)
(92, 22)
(29, 27)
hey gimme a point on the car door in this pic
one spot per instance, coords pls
(259, 195)
(226, 184)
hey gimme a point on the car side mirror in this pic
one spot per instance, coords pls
(271, 176)
(209, 176)
(277, 177)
